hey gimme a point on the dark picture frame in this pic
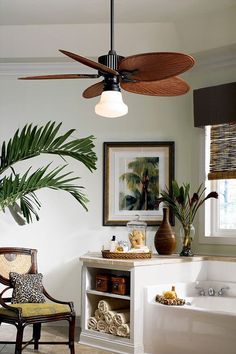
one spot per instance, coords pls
(134, 173)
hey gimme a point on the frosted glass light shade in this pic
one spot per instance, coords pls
(111, 105)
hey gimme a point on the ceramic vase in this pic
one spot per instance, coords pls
(165, 240)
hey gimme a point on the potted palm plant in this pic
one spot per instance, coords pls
(17, 190)
(185, 207)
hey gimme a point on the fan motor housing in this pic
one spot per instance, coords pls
(111, 60)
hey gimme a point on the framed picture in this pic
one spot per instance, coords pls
(134, 175)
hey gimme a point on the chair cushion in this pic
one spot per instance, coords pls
(27, 288)
(39, 309)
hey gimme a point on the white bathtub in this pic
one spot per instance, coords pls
(206, 325)
(214, 304)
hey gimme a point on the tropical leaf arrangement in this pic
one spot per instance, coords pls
(183, 204)
(17, 191)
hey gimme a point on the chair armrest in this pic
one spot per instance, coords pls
(17, 310)
(48, 296)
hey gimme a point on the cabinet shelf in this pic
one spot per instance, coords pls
(95, 292)
(107, 336)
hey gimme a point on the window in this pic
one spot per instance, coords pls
(220, 215)
(224, 212)
(216, 106)
(227, 204)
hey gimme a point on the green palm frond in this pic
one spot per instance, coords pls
(14, 188)
(33, 141)
(17, 192)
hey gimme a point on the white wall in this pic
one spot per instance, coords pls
(87, 39)
(209, 31)
(65, 231)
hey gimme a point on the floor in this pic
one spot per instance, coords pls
(58, 333)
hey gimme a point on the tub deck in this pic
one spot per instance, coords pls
(206, 326)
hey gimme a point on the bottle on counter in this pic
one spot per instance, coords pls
(113, 244)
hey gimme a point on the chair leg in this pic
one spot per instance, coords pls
(19, 339)
(36, 334)
(72, 335)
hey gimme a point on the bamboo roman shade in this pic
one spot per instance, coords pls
(216, 106)
(223, 151)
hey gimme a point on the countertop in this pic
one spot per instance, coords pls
(96, 257)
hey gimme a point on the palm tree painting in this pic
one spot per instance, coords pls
(140, 184)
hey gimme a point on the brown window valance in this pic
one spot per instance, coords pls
(223, 151)
(215, 105)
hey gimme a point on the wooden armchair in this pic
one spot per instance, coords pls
(24, 261)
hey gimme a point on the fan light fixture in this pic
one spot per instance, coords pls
(111, 105)
(152, 74)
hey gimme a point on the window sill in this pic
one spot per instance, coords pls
(218, 240)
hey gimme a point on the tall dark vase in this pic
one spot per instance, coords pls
(165, 240)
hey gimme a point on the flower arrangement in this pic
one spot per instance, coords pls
(185, 207)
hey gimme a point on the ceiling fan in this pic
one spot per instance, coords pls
(152, 74)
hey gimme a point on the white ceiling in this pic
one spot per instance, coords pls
(30, 12)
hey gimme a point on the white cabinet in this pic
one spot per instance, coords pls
(141, 273)
(91, 297)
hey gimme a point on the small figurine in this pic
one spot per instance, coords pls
(137, 239)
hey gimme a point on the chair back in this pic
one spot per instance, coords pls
(19, 260)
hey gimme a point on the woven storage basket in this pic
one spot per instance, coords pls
(124, 255)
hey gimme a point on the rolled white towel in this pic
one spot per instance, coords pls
(98, 315)
(123, 330)
(102, 326)
(121, 317)
(113, 329)
(92, 323)
(108, 316)
(111, 304)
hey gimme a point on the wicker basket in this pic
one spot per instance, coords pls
(126, 255)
